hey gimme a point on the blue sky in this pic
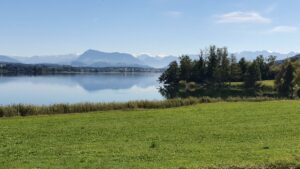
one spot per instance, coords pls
(160, 27)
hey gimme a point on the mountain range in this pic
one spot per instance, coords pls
(8, 59)
(51, 59)
(157, 61)
(250, 55)
(94, 58)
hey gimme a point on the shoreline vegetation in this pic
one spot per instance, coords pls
(53, 69)
(214, 72)
(31, 110)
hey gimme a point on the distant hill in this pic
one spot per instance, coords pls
(51, 59)
(293, 58)
(8, 59)
(250, 55)
(93, 58)
(156, 61)
(296, 57)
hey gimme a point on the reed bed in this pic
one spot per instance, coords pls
(29, 110)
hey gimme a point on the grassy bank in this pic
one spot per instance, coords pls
(266, 83)
(29, 110)
(245, 134)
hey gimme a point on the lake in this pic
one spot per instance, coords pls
(104, 87)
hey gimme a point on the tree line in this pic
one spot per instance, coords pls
(45, 69)
(215, 69)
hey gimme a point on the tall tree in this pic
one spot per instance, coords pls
(260, 60)
(243, 67)
(171, 75)
(252, 76)
(212, 65)
(235, 73)
(271, 62)
(217, 75)
(186, 67)
(198, 74)
(285, 80)
(225, 66)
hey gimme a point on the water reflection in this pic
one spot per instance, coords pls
(185, 90)
(104, 87)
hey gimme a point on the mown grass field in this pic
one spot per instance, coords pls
(205, 135)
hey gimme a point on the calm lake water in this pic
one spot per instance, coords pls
(105, 87)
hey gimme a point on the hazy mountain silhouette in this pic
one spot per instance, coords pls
(50, 59)
(8, 59)
(95, 58)
(250, 55)
(156, 61)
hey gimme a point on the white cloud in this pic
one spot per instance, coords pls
(174, 14)
(283, 29)
(243, 17)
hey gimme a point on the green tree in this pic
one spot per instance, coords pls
(225, 66)
(243, 65)
(171, 75)
(271, 62)
(235, 73)
(285, 80)
(252, 76)
(198, 74)
(212, 64)
(185, 68)
(264, 70)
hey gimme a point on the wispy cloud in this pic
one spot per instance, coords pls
(174, 14)
(243, 17)
(283, 29)
(271, 8)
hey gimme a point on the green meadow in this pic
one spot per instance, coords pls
(220, 135)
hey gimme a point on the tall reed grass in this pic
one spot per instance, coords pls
(29, 110)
